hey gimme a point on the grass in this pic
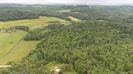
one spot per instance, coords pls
(8, 40)
(70, 73)
(12, 47)
(65, 11)
(32, 23)
(74, 19)
(19, 52)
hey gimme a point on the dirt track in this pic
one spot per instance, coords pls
(5, 66)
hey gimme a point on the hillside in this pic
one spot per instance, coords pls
(39, 39)
(86, 48)
(12, 45)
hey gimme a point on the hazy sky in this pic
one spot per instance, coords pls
(101, 2)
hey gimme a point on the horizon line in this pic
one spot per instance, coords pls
(124, 4)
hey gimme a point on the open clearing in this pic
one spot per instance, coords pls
(33, 23)
(9, 40)
(74, 19)
(12, 46)
(20, 51)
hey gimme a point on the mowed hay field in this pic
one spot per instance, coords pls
(33, 23)
(74, 19)
(8, 40)
(12, 46)
(18, 52)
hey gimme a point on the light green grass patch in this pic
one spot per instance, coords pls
(19, 52)
(32, 23)
(65, 11)
(74, 19)
(8, 40)
(70, 72)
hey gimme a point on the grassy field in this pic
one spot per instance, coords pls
(74, 19)
(32, 23)
(8, 41)
(19, 52)
(12, 46)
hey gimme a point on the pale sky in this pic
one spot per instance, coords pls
(99, 2)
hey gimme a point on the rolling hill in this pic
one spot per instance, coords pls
(12, 43)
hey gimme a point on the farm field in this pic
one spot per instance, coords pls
(74, 19)
(33, 23)
(12, 45)
(20, 51)
(9, 40)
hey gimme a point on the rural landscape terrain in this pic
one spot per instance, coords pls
(77, 39)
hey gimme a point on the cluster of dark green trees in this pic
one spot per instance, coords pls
(108, 13)
(13, 29)
(34, 35)
(7, 14)
(92, 47)
(23, 28)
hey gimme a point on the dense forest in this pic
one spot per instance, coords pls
(100, 44)
(87, 48)
(108, 13)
